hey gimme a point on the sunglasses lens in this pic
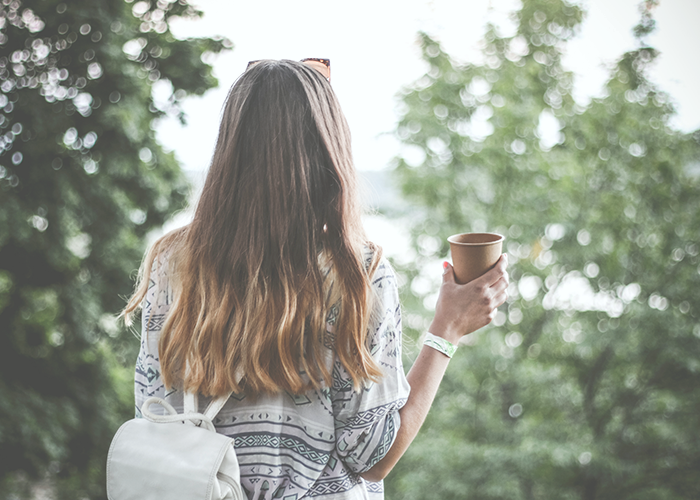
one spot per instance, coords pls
(320, 67)
(323, 66)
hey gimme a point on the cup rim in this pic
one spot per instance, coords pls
(497, 239)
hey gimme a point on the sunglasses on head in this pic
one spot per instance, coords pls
(321, 65)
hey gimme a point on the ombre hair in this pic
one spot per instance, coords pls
(275, 243)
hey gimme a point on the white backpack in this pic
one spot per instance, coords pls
(174, 456)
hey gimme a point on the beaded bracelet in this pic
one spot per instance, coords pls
(440, 344)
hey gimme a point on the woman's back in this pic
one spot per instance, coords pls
(309, 445)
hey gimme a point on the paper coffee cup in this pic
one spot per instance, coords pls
(474, 253)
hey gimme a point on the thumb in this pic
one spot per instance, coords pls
(448, 273)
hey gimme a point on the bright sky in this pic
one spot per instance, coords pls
(372, 46)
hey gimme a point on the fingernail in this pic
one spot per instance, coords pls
(445, 265)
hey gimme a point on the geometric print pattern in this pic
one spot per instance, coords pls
(386, 441)
(365, 418)
(322, 488)
(290, 443)
(312, 445)
(376, 488)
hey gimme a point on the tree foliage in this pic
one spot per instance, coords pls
(587, 384)
(82, 181)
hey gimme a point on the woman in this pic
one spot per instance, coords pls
(273, 293)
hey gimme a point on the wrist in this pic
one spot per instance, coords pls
(444, 332)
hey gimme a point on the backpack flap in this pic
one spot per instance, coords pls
(153, 461)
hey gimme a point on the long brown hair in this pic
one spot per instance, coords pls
(275, 242)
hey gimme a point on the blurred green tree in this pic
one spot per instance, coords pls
(82, 181)
(587, 384)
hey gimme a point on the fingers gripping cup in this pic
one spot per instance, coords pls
(474, 253)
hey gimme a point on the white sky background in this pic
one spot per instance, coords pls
(373, 51)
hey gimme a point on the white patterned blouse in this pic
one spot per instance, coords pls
(315, 445)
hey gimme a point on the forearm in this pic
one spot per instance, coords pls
(460, 310)
(424, 377)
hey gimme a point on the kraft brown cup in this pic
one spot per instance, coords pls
(474, 253)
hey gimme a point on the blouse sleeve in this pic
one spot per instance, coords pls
(367, 421)
(155, 307)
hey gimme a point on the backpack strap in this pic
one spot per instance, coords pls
(215, 406)
(172, 415)
(191, 403)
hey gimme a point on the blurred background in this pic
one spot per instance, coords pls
(572, 128)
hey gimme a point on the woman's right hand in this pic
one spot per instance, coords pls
(463, 309)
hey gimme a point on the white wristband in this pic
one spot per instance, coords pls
(440, 344)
